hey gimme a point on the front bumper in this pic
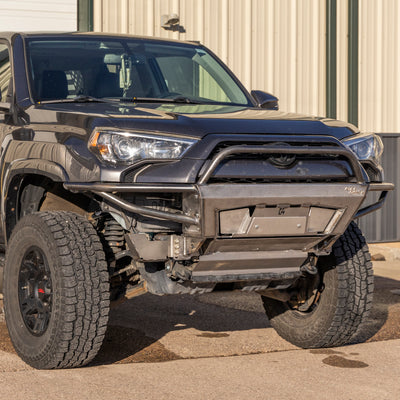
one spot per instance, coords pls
(205, 204)
(209, 200)
(240, 230)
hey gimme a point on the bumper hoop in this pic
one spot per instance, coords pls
(376, 187)
(183, 219)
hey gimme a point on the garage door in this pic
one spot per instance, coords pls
(35, 15)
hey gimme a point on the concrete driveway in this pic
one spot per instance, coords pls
(219, 346)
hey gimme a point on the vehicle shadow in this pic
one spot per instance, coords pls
(137, 326)
(384, 319)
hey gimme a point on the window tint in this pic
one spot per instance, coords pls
(127, 68)
(5, 70)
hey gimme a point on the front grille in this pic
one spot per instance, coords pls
(259, 166)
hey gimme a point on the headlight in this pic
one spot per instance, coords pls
(366, 146)
(127, 147)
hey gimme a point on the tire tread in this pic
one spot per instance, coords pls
(84, 291)
(354, 294)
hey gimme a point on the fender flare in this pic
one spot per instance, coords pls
(44, 168)
(35, 166)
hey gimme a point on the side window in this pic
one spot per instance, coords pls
(5, 70)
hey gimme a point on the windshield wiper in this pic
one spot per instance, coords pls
(77, 99)
(177, 99)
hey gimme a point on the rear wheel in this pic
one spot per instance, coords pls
(339, 302)
(56, 291)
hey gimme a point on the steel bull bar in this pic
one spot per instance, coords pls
(107, 190)
(259, 232)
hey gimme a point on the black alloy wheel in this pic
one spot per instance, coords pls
(35, 291)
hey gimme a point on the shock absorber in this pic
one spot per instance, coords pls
(114, 236)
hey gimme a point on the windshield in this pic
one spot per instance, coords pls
(124, 68)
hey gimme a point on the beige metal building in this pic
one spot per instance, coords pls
(317, 56)
(335, 58)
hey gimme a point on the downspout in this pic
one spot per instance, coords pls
(85, 15)
(353, 62)
(331, 49)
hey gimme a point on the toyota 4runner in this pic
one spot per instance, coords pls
(133, 164)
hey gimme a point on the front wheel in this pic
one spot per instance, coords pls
(340, 300)
(56, 291)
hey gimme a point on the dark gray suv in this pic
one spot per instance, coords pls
(131, 164)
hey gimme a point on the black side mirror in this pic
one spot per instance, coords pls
(265, 100)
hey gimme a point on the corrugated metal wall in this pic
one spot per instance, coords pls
(384, 225)
(272, 45)
(29, 15)
(379, 65)
(379, 103)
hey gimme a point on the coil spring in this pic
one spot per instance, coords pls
(114, 235)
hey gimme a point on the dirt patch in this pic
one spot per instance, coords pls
(125, 345)
(341, 362)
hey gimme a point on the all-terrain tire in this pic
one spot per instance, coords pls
(56, 290)
(344, 303)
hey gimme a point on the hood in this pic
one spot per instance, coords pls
(191, 120)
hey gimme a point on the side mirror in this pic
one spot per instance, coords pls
(265, 100)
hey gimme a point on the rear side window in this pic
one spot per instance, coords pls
(5, 70)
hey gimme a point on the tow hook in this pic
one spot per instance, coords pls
(310, 266)
(178, 270)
